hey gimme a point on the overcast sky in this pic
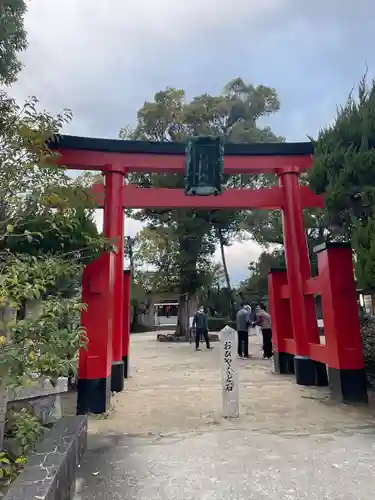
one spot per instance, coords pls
(103, 59)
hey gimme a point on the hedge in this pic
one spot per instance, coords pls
(217, 324)
(368, 339)
(138, 328)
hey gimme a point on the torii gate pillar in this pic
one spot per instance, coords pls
(114, 231)
(298, 270)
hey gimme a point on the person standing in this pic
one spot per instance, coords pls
(243, 323)
(263, 319)
(200, 323)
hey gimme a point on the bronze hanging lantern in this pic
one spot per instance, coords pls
(204, 166)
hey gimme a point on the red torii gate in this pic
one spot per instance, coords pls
(106, 286)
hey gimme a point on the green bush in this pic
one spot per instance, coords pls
(138, 328)
(368, 339)
(217, 324)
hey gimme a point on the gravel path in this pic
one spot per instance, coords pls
(164, 437)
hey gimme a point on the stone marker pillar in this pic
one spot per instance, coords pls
(33, 308)
(229, 342)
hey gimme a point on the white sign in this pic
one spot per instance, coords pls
(229, 343)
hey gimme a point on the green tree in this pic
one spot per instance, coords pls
(38, 248)
(343, 170)
(217, 298)
(27, 175)
(47, 345)
(40, 208)
(255, 288)
(266, 229)
(50, 233)
(157, 249)
(168, 250)
(12, 38)
(234, 115)
(147, 250)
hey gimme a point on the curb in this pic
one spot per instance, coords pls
(51, 469)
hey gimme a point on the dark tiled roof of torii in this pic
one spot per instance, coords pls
(173, 148)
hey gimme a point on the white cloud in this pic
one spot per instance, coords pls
(238, 257)
(101, 59)
(131, 226)
(97, 58)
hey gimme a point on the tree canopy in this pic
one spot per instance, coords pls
(343, 170)
(12, 38)
(46, 234)
(255, 288)
(233, 114)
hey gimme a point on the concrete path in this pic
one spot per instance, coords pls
(164, 437)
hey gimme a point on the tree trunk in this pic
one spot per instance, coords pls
(133, 304)
(226, 274)
(192, 305)
(182, 329)
(134, 318)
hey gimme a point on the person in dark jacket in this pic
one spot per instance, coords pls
(200, 323)
(243, 323)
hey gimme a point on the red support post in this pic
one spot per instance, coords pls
(126, 322)
(298, 271)
(346, 372)
(95, 360)
(282, 330)
(114, 230)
